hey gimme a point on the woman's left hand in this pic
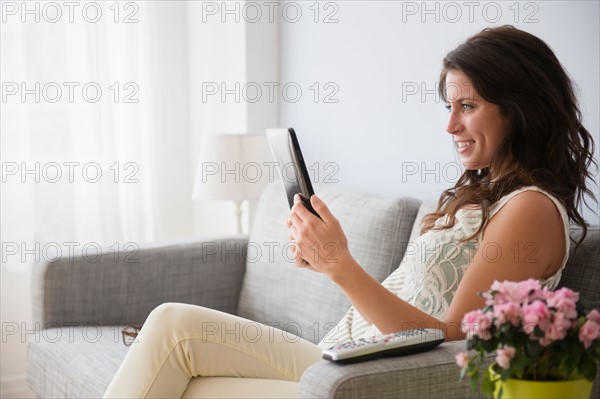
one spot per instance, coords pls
(320, 243)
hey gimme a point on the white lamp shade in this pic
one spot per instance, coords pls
(231, 167)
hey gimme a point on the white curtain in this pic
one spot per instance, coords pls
(81, 166)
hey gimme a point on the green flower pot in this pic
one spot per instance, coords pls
(525, 389)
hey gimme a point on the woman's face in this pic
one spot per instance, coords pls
(475, 124)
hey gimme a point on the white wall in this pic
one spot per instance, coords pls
(382, 138)
(227, 52)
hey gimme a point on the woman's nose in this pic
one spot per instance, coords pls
(454, 123)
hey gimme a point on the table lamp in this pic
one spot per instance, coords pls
(232, 167)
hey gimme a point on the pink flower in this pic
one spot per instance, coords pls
(557, 330)
(462, 359)
(565, 301)
(506, 291)
(535, 314)
(504, 355)
(531, 289)
(476, 323)
(508, 311)
(589, 332)
(513, 291)
(594, 316)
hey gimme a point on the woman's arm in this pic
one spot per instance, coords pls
(523, 240)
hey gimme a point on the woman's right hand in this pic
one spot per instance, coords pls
(321, 244)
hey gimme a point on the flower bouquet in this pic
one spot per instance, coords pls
(536, 334)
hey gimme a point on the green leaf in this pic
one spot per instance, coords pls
(517, 365)
(487, 386)
(589, 369)
(506, 329)
(489, 345)
(596, 349)
(575, 357)
(474, 380)
(472, 369)
(534, 350)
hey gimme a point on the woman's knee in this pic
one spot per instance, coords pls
(180, 321)
(182, 315)
(169, 313)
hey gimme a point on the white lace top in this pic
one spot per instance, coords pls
(433, 266)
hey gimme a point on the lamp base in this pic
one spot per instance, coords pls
(238, 216)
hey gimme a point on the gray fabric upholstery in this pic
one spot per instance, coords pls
(425, 208)
(74, 362)
(305, 303)
(582, 272)
(76, 291)
(70, 292)
(431, 374)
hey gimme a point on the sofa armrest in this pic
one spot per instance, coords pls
(114, 290)
(431, 374)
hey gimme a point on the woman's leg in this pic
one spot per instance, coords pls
(179, 342)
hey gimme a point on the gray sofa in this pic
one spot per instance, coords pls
(80, 306)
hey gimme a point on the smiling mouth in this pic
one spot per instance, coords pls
(464, 144)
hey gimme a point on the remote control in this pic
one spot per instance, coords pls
(395, 344)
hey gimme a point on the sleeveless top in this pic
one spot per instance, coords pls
(433, 266)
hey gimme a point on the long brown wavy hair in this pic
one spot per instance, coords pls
(545, 145)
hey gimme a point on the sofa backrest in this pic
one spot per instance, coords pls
(303, 302)
(582, 272)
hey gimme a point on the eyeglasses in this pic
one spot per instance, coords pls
(129, 333)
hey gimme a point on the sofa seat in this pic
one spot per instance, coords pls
(224, 387)
(91, 356)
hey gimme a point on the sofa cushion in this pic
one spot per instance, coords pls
(425, 208)
(74, 362)
(306, 303)
(231, 387)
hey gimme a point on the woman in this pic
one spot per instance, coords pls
(517, 128)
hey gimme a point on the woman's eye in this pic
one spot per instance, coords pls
(464, 107)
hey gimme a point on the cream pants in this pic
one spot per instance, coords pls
(180, 342)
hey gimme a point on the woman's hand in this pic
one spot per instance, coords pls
(321, 244)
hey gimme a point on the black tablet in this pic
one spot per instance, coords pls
(290, 165)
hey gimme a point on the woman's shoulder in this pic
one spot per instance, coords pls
(531, 198)
(533, 207)
(539, 218)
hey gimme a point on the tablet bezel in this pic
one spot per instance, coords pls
(286, 150)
